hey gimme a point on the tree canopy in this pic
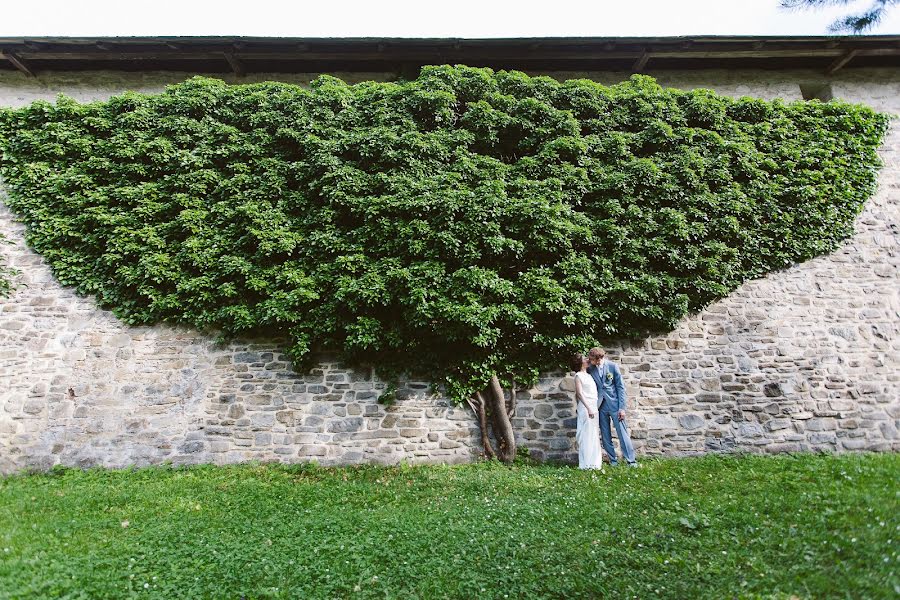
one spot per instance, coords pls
(858, 22)
(465, 224)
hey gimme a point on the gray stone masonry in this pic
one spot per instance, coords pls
(805, 359)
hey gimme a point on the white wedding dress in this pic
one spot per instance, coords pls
(587, 434)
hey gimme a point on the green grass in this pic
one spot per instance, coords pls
(714, 527)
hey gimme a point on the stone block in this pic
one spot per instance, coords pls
(543, 411)
(560, 444)
(413, 432)
(750, 430)
(285, 416)
(34, 407)
(778, 424)
(784, 447)
(773, 390)
(691, 421)
(191, 447)
(349, 424)
(219, 446)
(263, 420)
(311, 451)
(246, 357)
(821, 424)
(822, 438)
(682, 387)
(709, 397)
(661, 422)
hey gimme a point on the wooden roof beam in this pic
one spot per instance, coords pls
(236, 65)
(17, 62)
(840, 62)
(641, 62)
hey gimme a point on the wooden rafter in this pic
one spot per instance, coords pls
(18, 63)
(236, 65)
(641, 62)
(840, 62)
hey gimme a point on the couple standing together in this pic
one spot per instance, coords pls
(600, 396)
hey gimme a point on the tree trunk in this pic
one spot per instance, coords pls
(492, 405)
(478, 406)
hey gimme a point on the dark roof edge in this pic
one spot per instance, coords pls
(203, 38)
(243, 54)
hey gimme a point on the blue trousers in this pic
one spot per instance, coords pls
(621, 432)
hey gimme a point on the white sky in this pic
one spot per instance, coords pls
(419, 18)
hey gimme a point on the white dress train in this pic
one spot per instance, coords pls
(587, 434)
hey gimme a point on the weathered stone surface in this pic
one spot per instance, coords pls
(804, 359)
(691, 421)
(772, 390)
(543, 411)
(660, 422)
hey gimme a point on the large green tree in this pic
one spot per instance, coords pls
(471, 226)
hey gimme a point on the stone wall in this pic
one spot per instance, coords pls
(805, 359)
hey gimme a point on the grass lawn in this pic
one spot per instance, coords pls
(806, 526)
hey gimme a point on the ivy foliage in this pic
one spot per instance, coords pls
(465, 223)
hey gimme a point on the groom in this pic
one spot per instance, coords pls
(611, 391)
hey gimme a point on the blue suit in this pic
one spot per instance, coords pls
(611, 392)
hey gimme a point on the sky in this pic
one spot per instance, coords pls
(419, 18)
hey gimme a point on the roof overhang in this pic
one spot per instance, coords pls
(241, 55)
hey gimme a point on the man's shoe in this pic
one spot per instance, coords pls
(634, 464)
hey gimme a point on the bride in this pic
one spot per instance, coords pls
(588, 429)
